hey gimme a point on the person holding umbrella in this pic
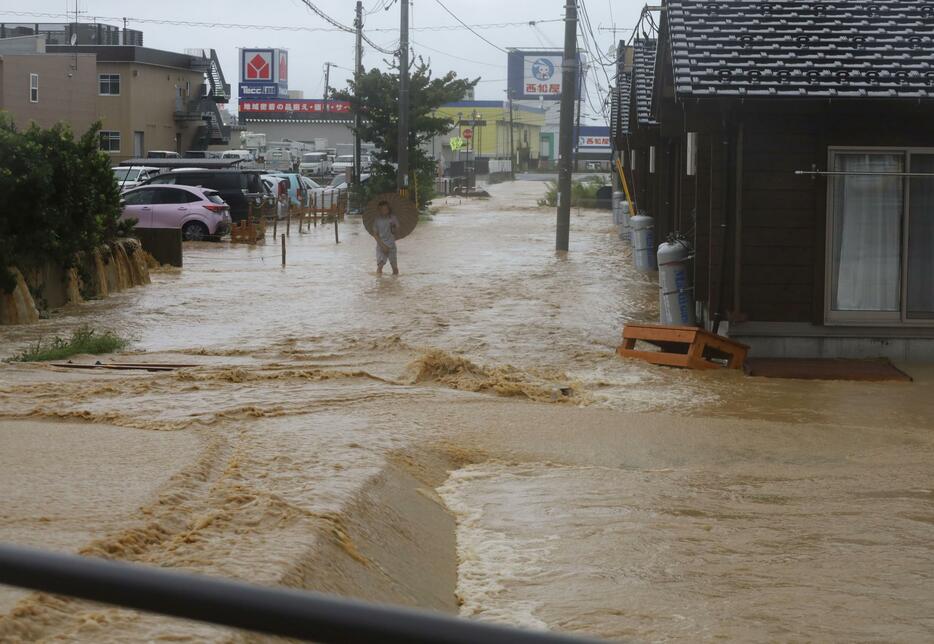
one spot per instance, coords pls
(384, 231)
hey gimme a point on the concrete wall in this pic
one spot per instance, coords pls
(306, 132)
(147, 104)
(67, 89)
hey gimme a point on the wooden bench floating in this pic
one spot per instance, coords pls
(682, 346)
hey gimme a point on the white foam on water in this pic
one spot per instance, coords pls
(491, 562)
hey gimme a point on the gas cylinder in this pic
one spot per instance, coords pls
(676, 293)
(618, 199)
(643, 243)
(624, 228)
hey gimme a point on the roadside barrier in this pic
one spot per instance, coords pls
(270, 611)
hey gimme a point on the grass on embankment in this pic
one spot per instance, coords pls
(83, 340)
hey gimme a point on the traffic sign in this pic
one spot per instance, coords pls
(467, 133)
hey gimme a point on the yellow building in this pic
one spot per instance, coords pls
(490, 138)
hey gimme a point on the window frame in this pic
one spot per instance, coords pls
(111, 77)
(111, 136)
(897, 318)
(33, 77)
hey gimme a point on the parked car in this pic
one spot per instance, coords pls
(131, 176)
(295, 186)
(237, 187)
(340, 181)
(198, 212)
(342, 164)
(201, 154)
(278, 186)
(318, 195)
(163, 154)
(315, 164)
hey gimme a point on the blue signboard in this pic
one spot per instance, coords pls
(260, 90)
(536, 74)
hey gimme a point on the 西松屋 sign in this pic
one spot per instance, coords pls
(536, 74)
(593, 142)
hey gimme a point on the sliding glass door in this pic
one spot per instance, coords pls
(880, 237)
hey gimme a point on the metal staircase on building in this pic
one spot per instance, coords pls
(205, 107)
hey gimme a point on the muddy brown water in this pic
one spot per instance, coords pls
(407, 440)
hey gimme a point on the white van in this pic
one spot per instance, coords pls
(245, 156)
(314, 164)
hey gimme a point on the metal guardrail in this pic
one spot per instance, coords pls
(271, 611)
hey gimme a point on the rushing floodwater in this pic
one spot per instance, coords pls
(590, 494)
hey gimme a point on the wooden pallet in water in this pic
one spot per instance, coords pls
(687, 347)
(248, 231)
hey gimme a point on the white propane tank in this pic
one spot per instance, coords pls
(676, 305)
(624, 228)
(618, 199)
(643, 243)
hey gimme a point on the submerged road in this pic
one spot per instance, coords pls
(463, 438)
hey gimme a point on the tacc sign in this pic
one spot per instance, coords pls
(294, 106)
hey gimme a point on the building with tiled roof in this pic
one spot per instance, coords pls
(792, 143)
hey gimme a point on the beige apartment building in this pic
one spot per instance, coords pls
(147, 99)
(39, 87)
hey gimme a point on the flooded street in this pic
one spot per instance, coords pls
(463, 438)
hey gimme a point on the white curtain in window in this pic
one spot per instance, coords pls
(921, 239)
(867, 233)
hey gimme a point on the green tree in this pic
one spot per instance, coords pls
(377, 97)
(59, 195)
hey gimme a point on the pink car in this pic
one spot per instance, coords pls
(200, 213)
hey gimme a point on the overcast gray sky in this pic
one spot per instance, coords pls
(448, 49)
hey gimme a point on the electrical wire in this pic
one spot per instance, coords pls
(469, 28)
(450, 55)
(233, 25)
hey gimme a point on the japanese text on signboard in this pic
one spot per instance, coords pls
(295, 107)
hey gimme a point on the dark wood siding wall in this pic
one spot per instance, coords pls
(778, 214)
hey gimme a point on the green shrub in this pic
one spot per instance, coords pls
(59, 196)
(583, 193)
(83, 340)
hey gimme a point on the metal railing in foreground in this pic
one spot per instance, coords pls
(272, 611)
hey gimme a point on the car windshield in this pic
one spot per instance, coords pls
(310, 158)
(345, 158)
(126, 174)
(338, 180)
(311, 183)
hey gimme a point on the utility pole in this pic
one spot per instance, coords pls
(403, 172)
(566, 134)
(358, 64)
(512, 145)
(577, 129)
(327, 83)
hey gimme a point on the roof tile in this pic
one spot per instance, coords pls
(810, 48)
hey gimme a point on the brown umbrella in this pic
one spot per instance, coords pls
(404, 209)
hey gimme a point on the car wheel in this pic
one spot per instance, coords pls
(194, 231)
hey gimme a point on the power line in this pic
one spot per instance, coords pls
(234, 25)
(451, 13)
(466, 60)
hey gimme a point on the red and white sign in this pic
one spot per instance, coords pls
(294, 106)
(258, 66)
(593, 141)
(467, 133)
(283, 66)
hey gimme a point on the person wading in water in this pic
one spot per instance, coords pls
(385, 226)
